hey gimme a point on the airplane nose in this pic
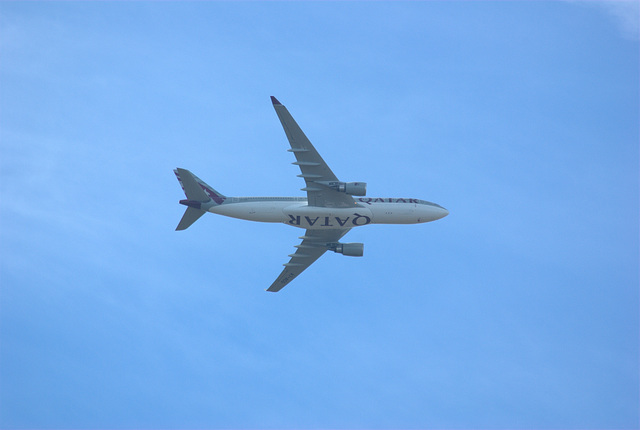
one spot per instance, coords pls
(431, 212)
(442, 212)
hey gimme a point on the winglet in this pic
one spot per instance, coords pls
(275, 101)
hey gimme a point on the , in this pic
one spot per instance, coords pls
(328, 212)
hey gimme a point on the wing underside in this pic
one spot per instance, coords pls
(313, 168)
(314, 244)
(316, 174)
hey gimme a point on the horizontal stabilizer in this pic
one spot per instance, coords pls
(190, 216)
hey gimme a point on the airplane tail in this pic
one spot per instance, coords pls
(200, 197)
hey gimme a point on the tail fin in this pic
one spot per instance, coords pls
(200, 197)
(210, 193)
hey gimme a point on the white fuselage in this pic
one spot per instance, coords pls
(295, 211)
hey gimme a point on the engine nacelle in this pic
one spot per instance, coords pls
(349, 249)
(353, 188)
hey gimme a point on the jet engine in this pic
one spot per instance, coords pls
(352, 188)
(350, 249)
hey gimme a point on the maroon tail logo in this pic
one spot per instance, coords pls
(214, 196)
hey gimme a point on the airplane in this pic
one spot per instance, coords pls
(329, 211)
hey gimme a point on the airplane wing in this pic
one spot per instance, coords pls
(313, 168)
(314, 244)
